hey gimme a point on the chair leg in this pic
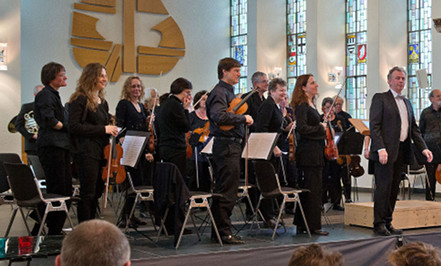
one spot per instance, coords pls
(215, 227)
(162, 225)
(278, 218)
(194, 225)
(25, 222)
(131, 213)
(304, 218)
(183, 227)
(42, 221)
(11, 221)
(68, 216)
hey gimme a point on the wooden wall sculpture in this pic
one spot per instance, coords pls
(91, 46)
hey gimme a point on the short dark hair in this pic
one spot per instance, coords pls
(49, 72)
(226, 64)
(327, 100)
(274, 82)
(395, 68)
(179, 85)
(197, 97)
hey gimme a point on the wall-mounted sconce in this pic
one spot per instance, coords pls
(336, 76)
(3, 62)
(275, 73)
(437, 23)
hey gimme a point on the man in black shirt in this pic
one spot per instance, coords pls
(430, 127)
(227, 145)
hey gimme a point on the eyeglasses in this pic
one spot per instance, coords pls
(136, 86)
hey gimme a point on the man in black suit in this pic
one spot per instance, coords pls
(392, 126)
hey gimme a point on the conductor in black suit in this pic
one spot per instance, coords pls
(392, 126)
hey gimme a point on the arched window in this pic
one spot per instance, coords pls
(238, 36)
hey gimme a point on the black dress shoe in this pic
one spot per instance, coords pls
(348, 201)
(338, 208)
(320, 232)
(393, 231)
(137, 221)
(381, 230)
(232, 240)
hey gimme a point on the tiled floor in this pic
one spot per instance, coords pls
(144, 248)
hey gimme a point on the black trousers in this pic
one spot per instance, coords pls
(331, 182)
(311, 201)
(91, 186)
(226, 163)
(56, 165)
(431, 171)
(387, 181)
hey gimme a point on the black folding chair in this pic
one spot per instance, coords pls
(269, 186)
(27, 193)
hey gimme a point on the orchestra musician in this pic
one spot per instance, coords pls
(26, 125)
(430, 128)
(332, 170)
(226, 147)
(173, 123)
(131, 114)
(259, 80)
(89, 127)
(53, 141)
(270, 119)
(347, 182)
(309, 152)
(198, 120)
(392, 127)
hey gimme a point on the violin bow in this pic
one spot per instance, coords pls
(325, 118)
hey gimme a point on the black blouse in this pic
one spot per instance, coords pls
(128, 117)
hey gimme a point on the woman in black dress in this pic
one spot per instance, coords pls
(131, 114)
(309, 152)
(90, 130)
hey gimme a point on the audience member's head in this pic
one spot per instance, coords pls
(315, 255)
(95, 242)
(415, 254)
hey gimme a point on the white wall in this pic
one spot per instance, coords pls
(46, 28)
(10, 80)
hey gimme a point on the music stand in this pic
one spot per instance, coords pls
(351, 143)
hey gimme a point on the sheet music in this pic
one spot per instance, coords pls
(132, 146)
(260, 146)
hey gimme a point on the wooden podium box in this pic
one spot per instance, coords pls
(407, 214)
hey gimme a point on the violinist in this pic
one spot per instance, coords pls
(173, 123)
(131, 114)
(89, 127)
(309, 152)
(270, 119)
(260, 81)
(332, 172)
(198, 139)
(227, 146)
(430, 127)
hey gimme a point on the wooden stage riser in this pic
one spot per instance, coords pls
(408, 214)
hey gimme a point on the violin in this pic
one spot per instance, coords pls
(152, 139)
(331, 151)
(292, 141)
(356, 169)
(203, 131)
(237, 106)
(189, 150)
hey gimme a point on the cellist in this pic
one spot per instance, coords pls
(89, 127)
(131, 114)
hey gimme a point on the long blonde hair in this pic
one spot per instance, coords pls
(298, 95)
(86, 85)
(125, 93)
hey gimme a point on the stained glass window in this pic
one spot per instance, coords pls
(356, 58)
(419, 51)
(238, 34)
(296, 41)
